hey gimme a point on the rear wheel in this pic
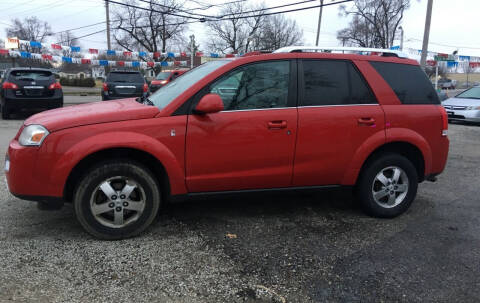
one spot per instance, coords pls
(116, 200)
(387, 186)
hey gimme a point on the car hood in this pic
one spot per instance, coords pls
(462, 102)
(93, 113)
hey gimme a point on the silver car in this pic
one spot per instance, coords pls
(464, 106)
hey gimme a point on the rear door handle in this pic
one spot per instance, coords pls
(366, 121)
(280, 124)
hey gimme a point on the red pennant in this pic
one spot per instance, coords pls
(56, 46)
(128, 54)
(183, 54)
(151, 63)
(47, 57)
(3, 51)
(198, 54)
(93, 51)
(229, 55)
(120, 63)
(156, 54)
(86, 61)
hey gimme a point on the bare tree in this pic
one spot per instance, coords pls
(31, 29)
(67, 38)
(374, 22)
(151, 30)
(236, 32)
(277, 31)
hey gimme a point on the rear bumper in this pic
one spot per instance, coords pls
(33, 103)
(106, 97)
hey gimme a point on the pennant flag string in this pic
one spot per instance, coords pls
(109, 52)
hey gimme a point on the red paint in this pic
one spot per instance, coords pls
(233, 150)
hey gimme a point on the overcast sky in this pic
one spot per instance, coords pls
(454, 23)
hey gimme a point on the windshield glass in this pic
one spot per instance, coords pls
(172, 90)
(125, 77)
(473, 93)
(163, 76)
(31, 75)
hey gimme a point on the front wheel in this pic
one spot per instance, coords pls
(387, 186)
(116, 200)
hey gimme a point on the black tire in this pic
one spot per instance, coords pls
(89, 187)
(367, 183)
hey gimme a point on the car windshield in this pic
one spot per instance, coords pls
(172, 90)
(473, 93)
(31, 75)
(163, 76)
(125, 77)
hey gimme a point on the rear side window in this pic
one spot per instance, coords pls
(31, 75)
(334, 82)
(409, 82)
(125, 77)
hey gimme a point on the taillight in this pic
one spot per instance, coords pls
(55, 85)
(145, 87)
(9, 85)
(105, 87)
(444, 121)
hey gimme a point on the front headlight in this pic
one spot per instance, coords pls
(473, 107)
(33, 135)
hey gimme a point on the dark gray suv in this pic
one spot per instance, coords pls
(124, 84)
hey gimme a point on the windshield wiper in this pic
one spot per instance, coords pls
(144, 100)
(148, 101)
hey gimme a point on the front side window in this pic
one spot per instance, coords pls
(334, 82)
(255, 86)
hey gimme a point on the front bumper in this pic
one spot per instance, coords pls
(26, 178)
(464, 115)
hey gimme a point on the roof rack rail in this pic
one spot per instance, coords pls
(328, 49)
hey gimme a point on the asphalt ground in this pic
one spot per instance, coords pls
(310, 247)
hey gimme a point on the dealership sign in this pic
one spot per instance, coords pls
(12, 43)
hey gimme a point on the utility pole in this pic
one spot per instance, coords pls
(426, 34)
(108, 24)
(109, 45)
(401, 38)
(192, 50)
(319, 21)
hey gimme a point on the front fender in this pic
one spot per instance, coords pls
(67, 159)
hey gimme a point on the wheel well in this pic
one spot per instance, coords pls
(409, 151)
(148, 160)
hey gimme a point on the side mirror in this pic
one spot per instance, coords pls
(209, 104)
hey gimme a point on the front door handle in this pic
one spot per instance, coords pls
(280, 124)
(366, 121)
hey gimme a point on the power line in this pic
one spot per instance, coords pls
(446, 45)
(173, 8)
(266, 8)
(152, 10)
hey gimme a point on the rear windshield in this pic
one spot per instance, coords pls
(409, 82)
(125, 77)
(31, 75)
(163, 76)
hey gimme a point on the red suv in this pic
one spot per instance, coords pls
(281, 121)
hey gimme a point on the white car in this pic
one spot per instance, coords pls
(464, 106)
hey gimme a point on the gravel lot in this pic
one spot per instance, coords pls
(270, 248)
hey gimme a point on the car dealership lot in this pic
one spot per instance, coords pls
(274, 248)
